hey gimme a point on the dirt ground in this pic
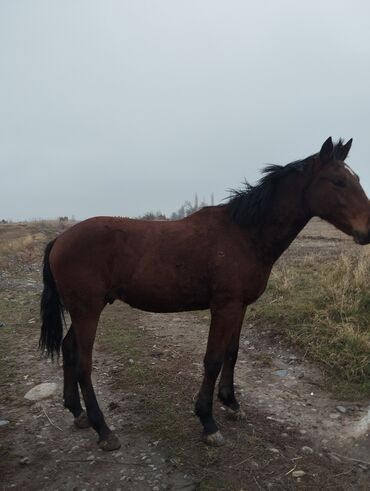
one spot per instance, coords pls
(147, 370)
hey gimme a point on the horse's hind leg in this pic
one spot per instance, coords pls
(225, 321)
(85, 331)
(226, 392)
(70, 392)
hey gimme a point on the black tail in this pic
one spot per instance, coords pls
(51, 311)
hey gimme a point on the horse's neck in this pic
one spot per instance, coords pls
(287, 218)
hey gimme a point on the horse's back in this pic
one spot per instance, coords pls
(152, 265)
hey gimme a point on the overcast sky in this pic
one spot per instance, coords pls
(122, 107)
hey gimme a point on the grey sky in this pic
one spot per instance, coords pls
(121, 107)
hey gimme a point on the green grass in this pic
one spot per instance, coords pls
(324, 308)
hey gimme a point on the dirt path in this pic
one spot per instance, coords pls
(39, 446)
(277, 382)
(47, 452)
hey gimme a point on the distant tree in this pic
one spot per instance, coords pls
(154, 216)
(186, 209)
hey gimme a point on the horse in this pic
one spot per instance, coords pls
(218, 258)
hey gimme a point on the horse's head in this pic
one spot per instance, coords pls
(336, 194)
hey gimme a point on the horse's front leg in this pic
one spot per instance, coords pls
(226, 392)
(225, 323)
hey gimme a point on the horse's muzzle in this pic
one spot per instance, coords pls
(361, 238)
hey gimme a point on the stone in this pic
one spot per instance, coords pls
(41, 391)
(298, 473)
(4, 422)
(281, 373)
(307, 450)
(25, 461)
(341, 409)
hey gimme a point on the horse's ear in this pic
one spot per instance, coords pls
(344, 150)
(327, 151)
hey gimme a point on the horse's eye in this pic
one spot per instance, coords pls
(340, 183)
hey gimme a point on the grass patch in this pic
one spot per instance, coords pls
(115, 335)
(324, 308)
(5, 370)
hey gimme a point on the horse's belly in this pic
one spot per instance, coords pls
(166, 296)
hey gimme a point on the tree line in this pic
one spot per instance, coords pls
(186, 209)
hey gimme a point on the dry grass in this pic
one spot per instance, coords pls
(25, 241)
(325, 310)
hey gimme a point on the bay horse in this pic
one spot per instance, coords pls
(218, 258)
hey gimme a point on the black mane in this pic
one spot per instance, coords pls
(249, 205)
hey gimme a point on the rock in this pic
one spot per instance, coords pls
(4, 422)
(281, 373)
(341, 409)
(334, 416)
(298, 473)
(25, 461)
(2, 324)
(41, 391)
(307, 450)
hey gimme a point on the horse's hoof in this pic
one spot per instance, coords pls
(82, 421)
(110, 443)
(238, 415)
(214, 440)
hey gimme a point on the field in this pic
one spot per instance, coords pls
(302, 377)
